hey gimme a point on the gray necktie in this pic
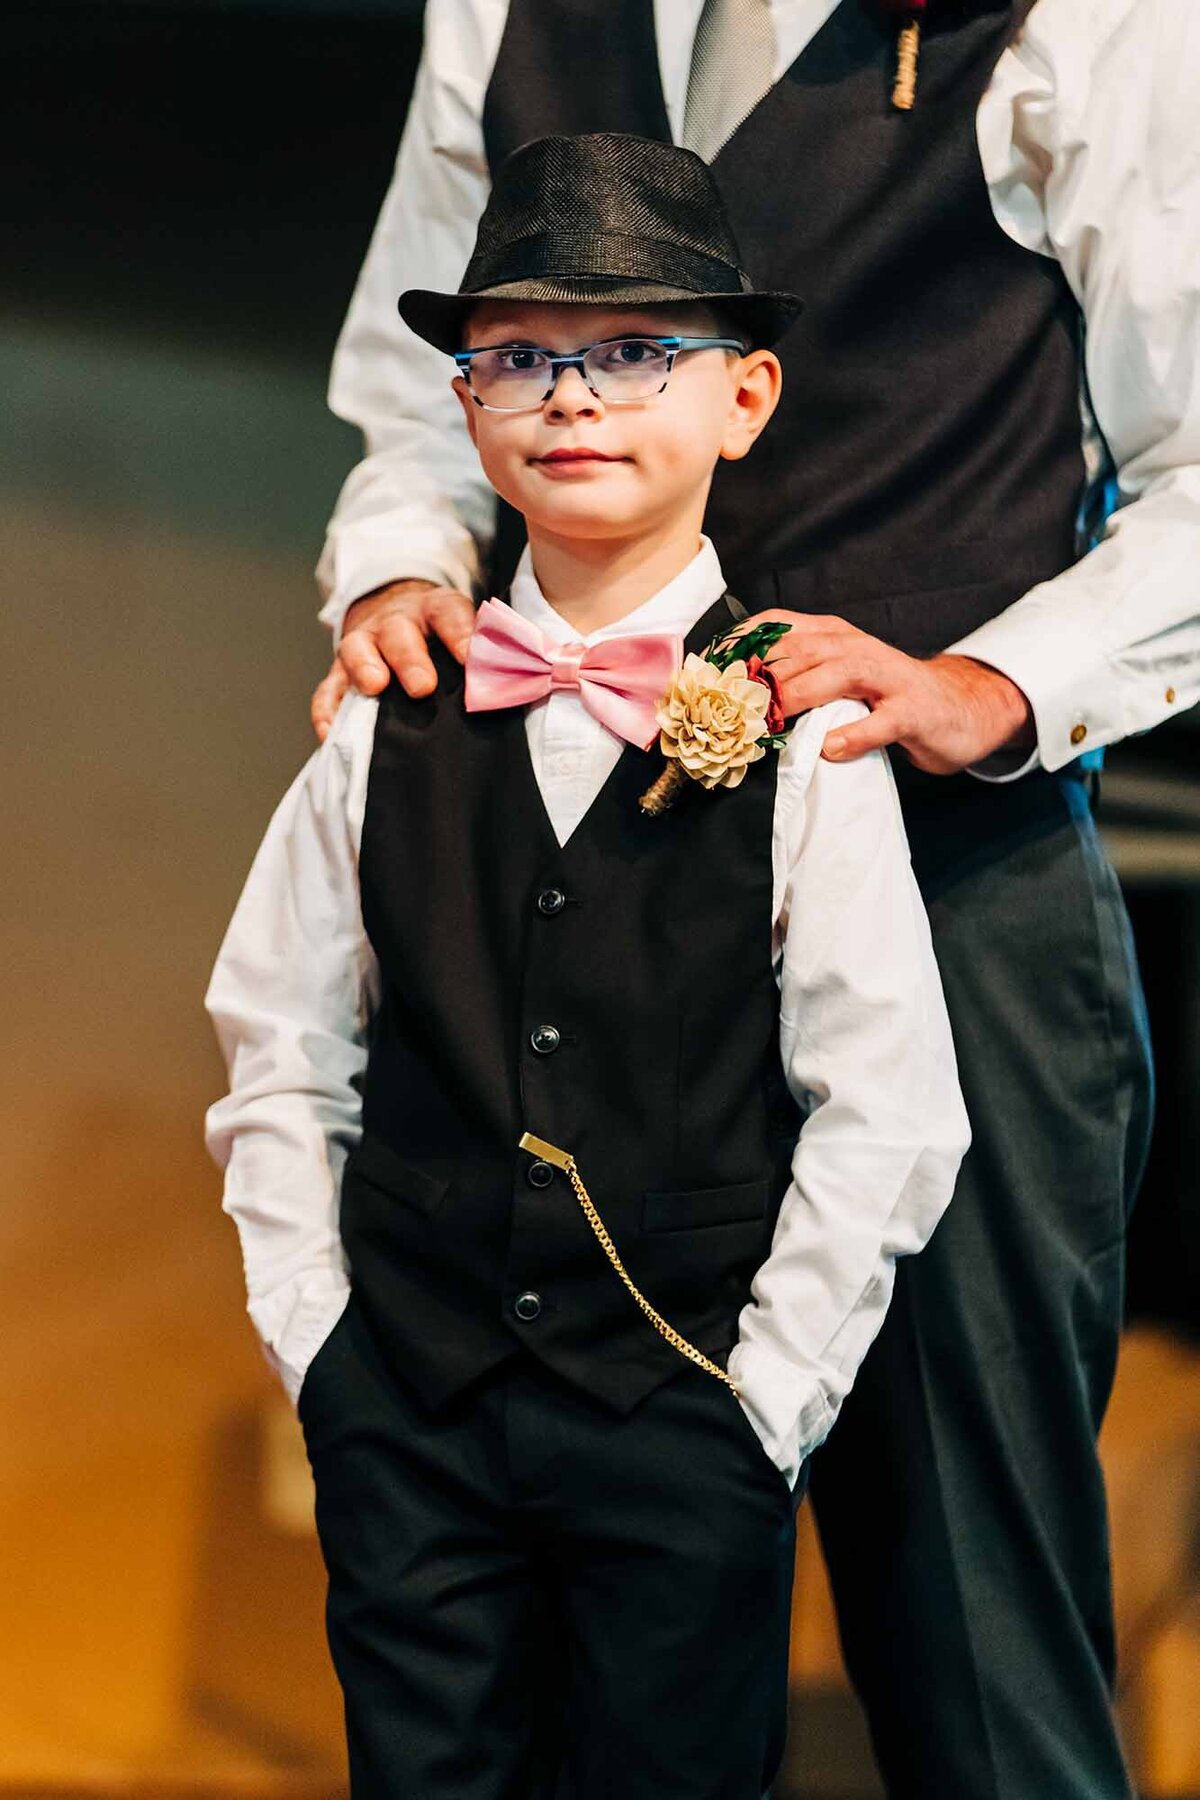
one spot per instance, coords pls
(733, 65)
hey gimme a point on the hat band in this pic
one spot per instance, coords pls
(614, 255)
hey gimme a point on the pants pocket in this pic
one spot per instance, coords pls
(767, 1466)
(325, 1353)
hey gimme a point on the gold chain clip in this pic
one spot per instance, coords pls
(562, 1159)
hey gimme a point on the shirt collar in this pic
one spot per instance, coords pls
(675, 608)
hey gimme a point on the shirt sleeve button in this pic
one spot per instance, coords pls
(1078, 733)
(1170, 696)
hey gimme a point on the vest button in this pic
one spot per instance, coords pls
(527, 1306)
(539, 1174)
(546, 1039)
(551, 901)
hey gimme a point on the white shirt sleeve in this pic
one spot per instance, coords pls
(868, 1055)
(417, 504)
(291, 996)
(1091, 150)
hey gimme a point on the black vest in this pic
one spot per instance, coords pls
(645, 944)
(925, 467)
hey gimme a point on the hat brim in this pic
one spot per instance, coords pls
(441, 318)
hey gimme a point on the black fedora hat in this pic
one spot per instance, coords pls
(602, 218)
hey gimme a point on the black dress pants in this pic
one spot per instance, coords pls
(526, 1588)
(960, 1499)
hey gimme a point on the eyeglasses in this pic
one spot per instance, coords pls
(618, 371)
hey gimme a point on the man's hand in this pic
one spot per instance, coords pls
(946, 713)
(386, 630)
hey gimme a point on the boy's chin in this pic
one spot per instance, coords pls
(591, 511)
(586, 524)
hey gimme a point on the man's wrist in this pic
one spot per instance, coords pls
(1005, 715)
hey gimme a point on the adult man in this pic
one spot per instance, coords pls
(920, 503)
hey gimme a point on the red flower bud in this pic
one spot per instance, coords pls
(757, 670)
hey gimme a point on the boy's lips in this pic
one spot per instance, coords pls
(577, 455)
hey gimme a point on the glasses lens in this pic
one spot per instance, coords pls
(510, 377)
(627, 368)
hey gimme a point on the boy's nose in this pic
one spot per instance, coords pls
(572, 397)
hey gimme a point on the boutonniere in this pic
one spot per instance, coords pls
(722, 712)
(910, 13)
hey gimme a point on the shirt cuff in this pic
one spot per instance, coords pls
(1071, 704)
(789, 1421)
(293, 1327)
(1005, 765)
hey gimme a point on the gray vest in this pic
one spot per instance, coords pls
(925, 467)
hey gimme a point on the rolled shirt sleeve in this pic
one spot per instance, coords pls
(290, 997)
(868, 1055)
(1089, 143)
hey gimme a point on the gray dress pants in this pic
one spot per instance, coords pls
(960, 1499)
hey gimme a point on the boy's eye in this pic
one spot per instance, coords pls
(515, 361)
(630, 353)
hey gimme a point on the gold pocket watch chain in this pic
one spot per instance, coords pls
(562, 1159)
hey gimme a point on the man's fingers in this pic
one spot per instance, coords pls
(788, 662)
(359, 656)
(810, 637)
(810, 688)
(327, 697)
(800, 623)
(848, 742)
(400, 640)
(452, 616)
(389, 631)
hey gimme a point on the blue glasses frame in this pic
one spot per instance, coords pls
(577, 359)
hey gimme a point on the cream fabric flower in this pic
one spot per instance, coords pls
(711, 720)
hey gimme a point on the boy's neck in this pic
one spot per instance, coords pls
(593, 582)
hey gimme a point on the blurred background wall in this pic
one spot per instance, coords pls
(187, 192)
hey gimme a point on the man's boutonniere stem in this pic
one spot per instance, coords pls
(910, 12)
(722, 713)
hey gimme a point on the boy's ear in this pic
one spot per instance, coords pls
(470, 410)
(759, 382)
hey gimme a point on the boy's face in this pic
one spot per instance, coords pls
(578, 468)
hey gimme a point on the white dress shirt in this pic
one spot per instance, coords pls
(864, 1037)
(1091, 154)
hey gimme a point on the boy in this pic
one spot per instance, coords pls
(586, 1080)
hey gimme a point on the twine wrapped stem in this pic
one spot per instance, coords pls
(904, 93)
(664, 789)
(908, 49)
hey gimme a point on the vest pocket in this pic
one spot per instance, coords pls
(699, 1208)
(375, 1163)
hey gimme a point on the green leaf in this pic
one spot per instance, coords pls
(738, 646)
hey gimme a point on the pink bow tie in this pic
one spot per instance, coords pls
(621, 680)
